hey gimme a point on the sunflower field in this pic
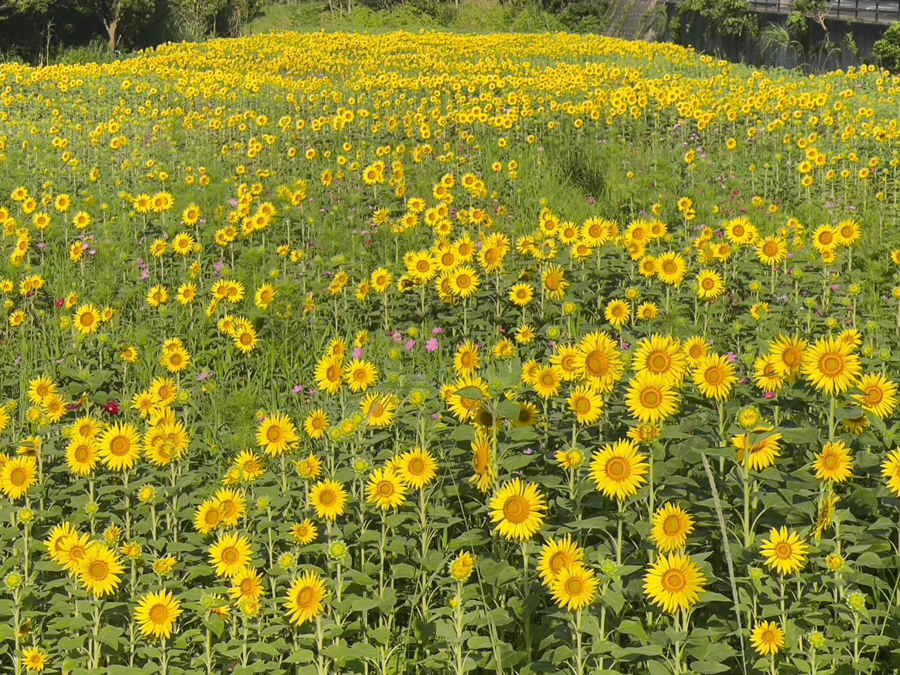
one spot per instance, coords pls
(426, 353)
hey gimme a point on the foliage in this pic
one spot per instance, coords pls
(726, 17)
(887, 50)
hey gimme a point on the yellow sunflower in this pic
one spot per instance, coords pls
(385, 490)
(784, 551)
(714, 377)
(670, 528)
(831, 365)
(517, 509)
(305, 599)
(230, 554)
(879, 395)
(557, 555)
(767, 638)
(156, 614)
(574, 588)
(651, 398)
(276, 434)
(834, 463)
(618, 469)
(674, 582)
(329, 499)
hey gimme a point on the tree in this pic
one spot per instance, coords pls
(113, 12)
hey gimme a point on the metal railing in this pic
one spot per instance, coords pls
(864, 11)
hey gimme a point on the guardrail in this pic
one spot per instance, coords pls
(863, 11)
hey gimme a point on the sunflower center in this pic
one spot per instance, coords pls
(768, 636)
(82, 453)
(770, 249)
(832, 365)
(247, 586)
(305, 597)
(783, 550)
(574, 586)
(714, 376)
(672, 525)
(651, 398)
(597, 363)
(831, 462)
(18, 477)
(120, 446)
(674, 581)
(874, 396)
(516, 509)
(659, 362)
(159, 613)
(416, 466)
(669, 267)
(385, 488)
(230, 555)
(582, 406)
(327, 497)
(559, 560)
(617, 469)
(98, 570)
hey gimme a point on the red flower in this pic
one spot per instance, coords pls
(111, 407)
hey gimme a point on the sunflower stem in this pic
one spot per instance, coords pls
(579, 652)
(526, 613)
(831, 410)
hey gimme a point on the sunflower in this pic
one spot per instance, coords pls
(230, 554)
(329, 499)
(462, 566)
(156, 614)
(825, 238)
(784, 552)
(34, 659)
(586, 404)
(740, 231)
(482, 461)
(663, 356)
(465, 407)
(879, 395)
(316, 424)
(17, 476)
(651, 398)
(464, 281)
(760, 447)
(671, 268)
(232, 505)
(100, 570)
(710, 285)
(417, 468)
(305, 598)
(304, 532)
(766, 374)
(788, 354)
(360, 375)
(714, 377)
(674, 582)
(618, 469)
(329, 374)
(547, 381)
(696, 349)
(40, 389)
(208, 517)
(87, 319)
(771, 251)
(574, 588)
(82, 455)
(467, 360)
(517, 509)
(617, 313)
(276, 434)
(385, 490)
(378, 409)
(120, 447)
(890, 470)
(670, 528)
(831, 365)
(521, 294)
(557, 555)
(834, 463)
(55, 541)
(247, 586)
(767, 638)
(599, 361)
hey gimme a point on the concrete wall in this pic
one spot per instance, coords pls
(695, 30)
